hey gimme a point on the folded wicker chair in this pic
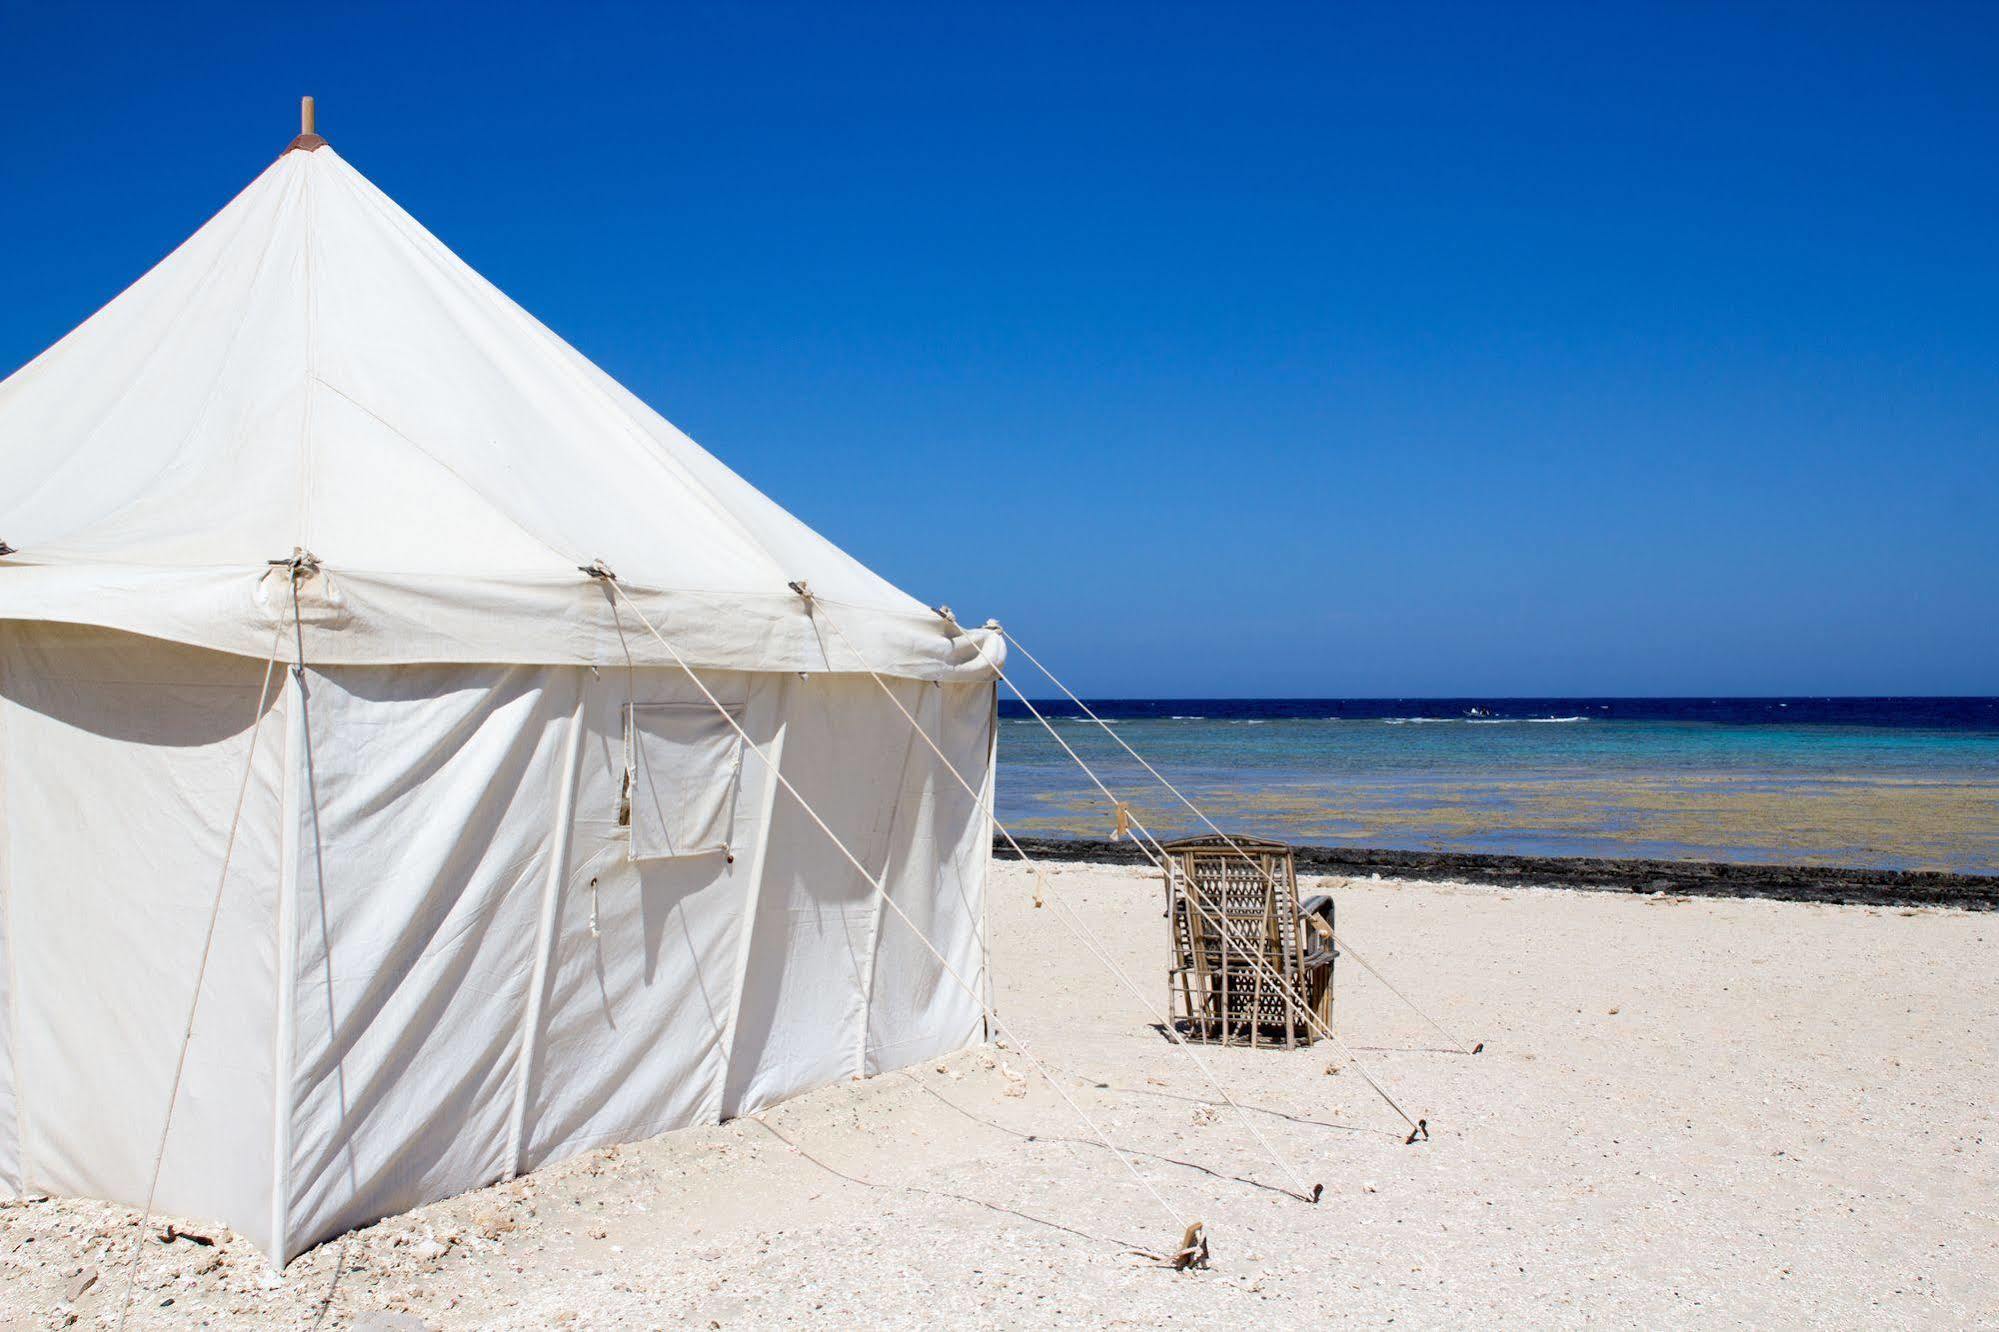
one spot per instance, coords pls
(1247, 891)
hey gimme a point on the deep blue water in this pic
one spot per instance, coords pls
(1899, 782)
(1941, 714)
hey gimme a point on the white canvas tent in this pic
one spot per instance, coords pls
(504, 885)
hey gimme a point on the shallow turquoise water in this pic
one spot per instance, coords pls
(1887, 795)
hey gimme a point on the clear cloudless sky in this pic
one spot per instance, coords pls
(1218, 350)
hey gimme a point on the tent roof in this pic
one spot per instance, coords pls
(314, 370)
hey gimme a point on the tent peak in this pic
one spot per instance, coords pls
(308, 139)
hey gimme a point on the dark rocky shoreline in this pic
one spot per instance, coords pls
(1704, 878)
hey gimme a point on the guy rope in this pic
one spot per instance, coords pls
(1251, 861)
(1190, 1253)
(1064, 912)
(1418, 1128)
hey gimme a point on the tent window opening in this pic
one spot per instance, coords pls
(683, 764)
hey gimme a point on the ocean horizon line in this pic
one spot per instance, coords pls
(1503, 698)
(1974, 713)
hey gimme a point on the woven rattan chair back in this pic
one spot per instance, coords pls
(1247, 894)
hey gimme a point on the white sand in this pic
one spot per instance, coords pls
(1689, 1112)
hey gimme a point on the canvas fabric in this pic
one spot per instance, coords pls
(313, 370)
(438, 962)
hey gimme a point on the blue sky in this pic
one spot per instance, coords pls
(1221, 350)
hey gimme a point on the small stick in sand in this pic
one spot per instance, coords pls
(1193, 1249)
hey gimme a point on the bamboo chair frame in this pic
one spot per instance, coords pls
(1247, 888)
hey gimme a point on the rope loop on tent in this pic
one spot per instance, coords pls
(1066, 914)
(617, 592)
(302, 563)
(1251, 861)
(1162, 861)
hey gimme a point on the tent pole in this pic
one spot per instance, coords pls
(291, 800)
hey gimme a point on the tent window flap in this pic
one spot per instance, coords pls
(682, 766)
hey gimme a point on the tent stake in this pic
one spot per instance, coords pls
(1193, 1249)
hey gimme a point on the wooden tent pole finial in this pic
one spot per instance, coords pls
(308, 135)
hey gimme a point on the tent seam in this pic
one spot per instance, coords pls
(304, 514)
(285, 1036)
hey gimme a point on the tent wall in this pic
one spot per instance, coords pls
(937, 861)
(122, 759)
(438, 961)
(485, 979)
(832, 975)
(445, 955)
(420, 816)
(633, 1034)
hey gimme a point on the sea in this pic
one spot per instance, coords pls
(1891, 783)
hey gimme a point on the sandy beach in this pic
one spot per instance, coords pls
(502, 826)
(1690, 1112)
